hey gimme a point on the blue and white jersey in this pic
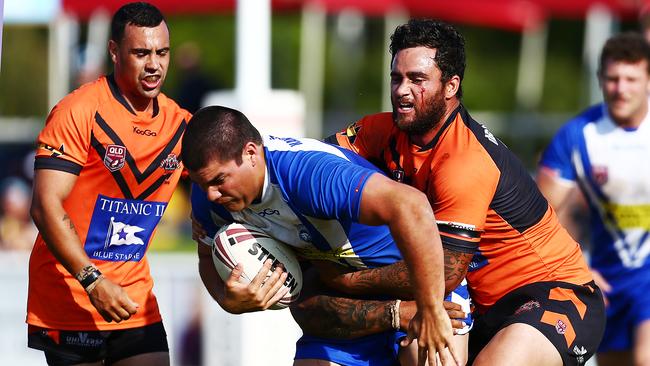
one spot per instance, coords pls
(611, 165)
(310, 201)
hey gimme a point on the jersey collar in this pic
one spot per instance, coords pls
(117, 94)
(449, 120)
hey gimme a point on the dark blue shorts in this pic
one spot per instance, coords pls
(68, 347)
(374, 350)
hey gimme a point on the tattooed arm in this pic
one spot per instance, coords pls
(342, 318)
(51, 187)
(321, 313)
(392, 280)
(456, 266)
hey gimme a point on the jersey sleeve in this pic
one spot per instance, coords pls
(324, 185)
(464, 188)
(367, 137)
(558, 155)
(64, 142)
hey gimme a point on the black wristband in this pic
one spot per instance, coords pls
(90, 278)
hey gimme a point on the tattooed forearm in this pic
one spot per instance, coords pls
(67, 218)
(392, 280)
(341, 318)
(456, 264)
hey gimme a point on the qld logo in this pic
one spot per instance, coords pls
(115, 157)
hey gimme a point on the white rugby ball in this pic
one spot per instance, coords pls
(250, 246)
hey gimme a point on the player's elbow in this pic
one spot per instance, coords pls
(37, 212)
(414, 204)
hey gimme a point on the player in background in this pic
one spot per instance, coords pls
(536, 303)
(324, 198)
(106, 166)
(604, 154)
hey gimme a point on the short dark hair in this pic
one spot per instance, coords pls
(140, 14)
(216, 132)
(629, 47)
(450, 45)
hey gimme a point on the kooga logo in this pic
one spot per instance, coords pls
(146, 132)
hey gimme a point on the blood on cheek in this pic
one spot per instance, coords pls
(421, 91)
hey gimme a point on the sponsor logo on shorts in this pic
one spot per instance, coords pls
(560, 326)
(532, 304)
(82, 339)
(115, 157)
(580, 352)
(145, 132)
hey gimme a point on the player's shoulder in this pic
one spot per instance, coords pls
(571, 130)
(467, 146)
(371, 132)
(590, 115)
(85, 98)
(283, 144)
(378, 123)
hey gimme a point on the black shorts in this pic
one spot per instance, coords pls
(571, 316)
(68, 347)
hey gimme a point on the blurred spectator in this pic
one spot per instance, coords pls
(17, 231)
(193, 83)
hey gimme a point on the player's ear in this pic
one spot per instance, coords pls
(250, 152)
(112, 50)
(451, 86)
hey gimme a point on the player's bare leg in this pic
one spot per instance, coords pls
(642, 344)
(519, 344)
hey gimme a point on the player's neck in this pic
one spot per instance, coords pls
(139, 104)
(427, 137)
(136, 101)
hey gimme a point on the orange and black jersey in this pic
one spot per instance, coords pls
(128, 165)
(483, 198)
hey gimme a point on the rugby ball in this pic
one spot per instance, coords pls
(250, 246)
